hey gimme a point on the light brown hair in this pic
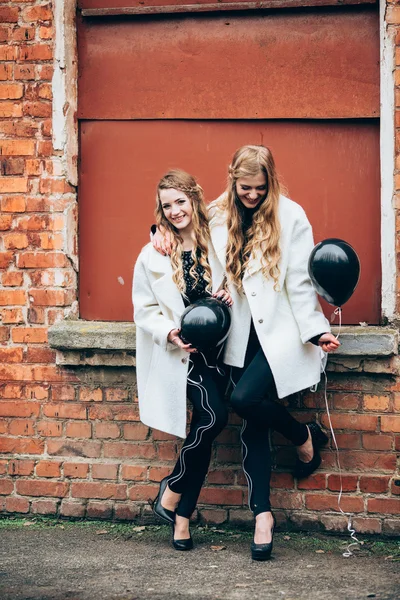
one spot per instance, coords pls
(264, 232)
(182, 181)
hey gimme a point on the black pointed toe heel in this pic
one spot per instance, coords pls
(158, 509)
(182, 545)
(319, 439)
(263, 551)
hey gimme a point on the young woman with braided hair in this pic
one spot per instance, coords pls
(263, 241)
(169, 370)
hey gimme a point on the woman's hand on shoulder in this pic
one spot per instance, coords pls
(225, 296)
(174, 338)
(328, 342)
(162, 241)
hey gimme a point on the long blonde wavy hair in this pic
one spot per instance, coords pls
(182, 181)
(264, 231)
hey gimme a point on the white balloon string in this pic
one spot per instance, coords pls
(348, 516)
(219, 370)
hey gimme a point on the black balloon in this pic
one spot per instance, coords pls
(205, 324)
(334, 269)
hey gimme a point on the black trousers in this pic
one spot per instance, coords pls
(205, 389)
(253, 399)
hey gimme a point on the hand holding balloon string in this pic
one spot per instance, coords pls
(328, 342)
(174, 338)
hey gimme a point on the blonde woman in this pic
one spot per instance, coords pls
(263, 241)
(169, 370)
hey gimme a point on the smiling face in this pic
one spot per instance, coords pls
(252, 190)
(177, 209)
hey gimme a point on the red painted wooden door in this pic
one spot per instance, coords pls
(186, 91)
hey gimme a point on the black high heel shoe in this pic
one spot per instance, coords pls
(158, 509)
(183, 545)
(319, 439)
(263, 551)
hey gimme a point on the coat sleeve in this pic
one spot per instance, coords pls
(302, 296)
(148, 315)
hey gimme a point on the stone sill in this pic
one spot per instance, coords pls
(99, 343)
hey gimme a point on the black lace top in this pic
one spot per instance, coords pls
(193, 291)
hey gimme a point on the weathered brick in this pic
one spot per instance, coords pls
(12, 166)
(40, 13)
(227, 496)
(106, 430)
(15, 504)
(90, 394)
(374, 484)
(65, 411)
(44, 507)
(19, 409)
(126, 512)
(11, 355)
(104, 471)
(78, 430)
(48, 468)
(103, 491)
(49, 428)
(88, 449)
(6, 486)
(36, 52)
(390, 423)
(11, 91)
(21, 467)
(330, 502)
(390, 506)
(134, 473)
(375, 441)
(12, 279)
(24, 72)
(378, 403)
(135, 431)
(13, 184)
(128, 450)
(76, 470)
(355, 422)
(13, 204)
(69, 508)
(348, 483)
(38, 487)
(9, 14)
(17, 147)
(116, 394)
(29, 335)
(21, 427)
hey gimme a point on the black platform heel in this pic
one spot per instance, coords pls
(263, 551)
(182, 545)
(319, 439)
(158, 509)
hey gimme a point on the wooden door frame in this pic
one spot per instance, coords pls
(65, 129)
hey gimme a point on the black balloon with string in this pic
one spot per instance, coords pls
(334, 268)
(205, 324)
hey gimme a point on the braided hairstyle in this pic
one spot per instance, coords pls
(180, 180)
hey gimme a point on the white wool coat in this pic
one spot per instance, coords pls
(161, 367)
(285, 320)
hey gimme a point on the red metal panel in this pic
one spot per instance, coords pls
(106, 7)
(331, 168)
(321, 64)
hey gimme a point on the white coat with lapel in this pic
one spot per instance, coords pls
(161, 367)
(284, 319)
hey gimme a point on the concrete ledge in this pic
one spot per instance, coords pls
(93, 335)
(113, 344)
(367, 341)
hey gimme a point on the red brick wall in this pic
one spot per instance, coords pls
(70, 440)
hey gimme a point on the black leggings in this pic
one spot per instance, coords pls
(253, 400)
(205, 389)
